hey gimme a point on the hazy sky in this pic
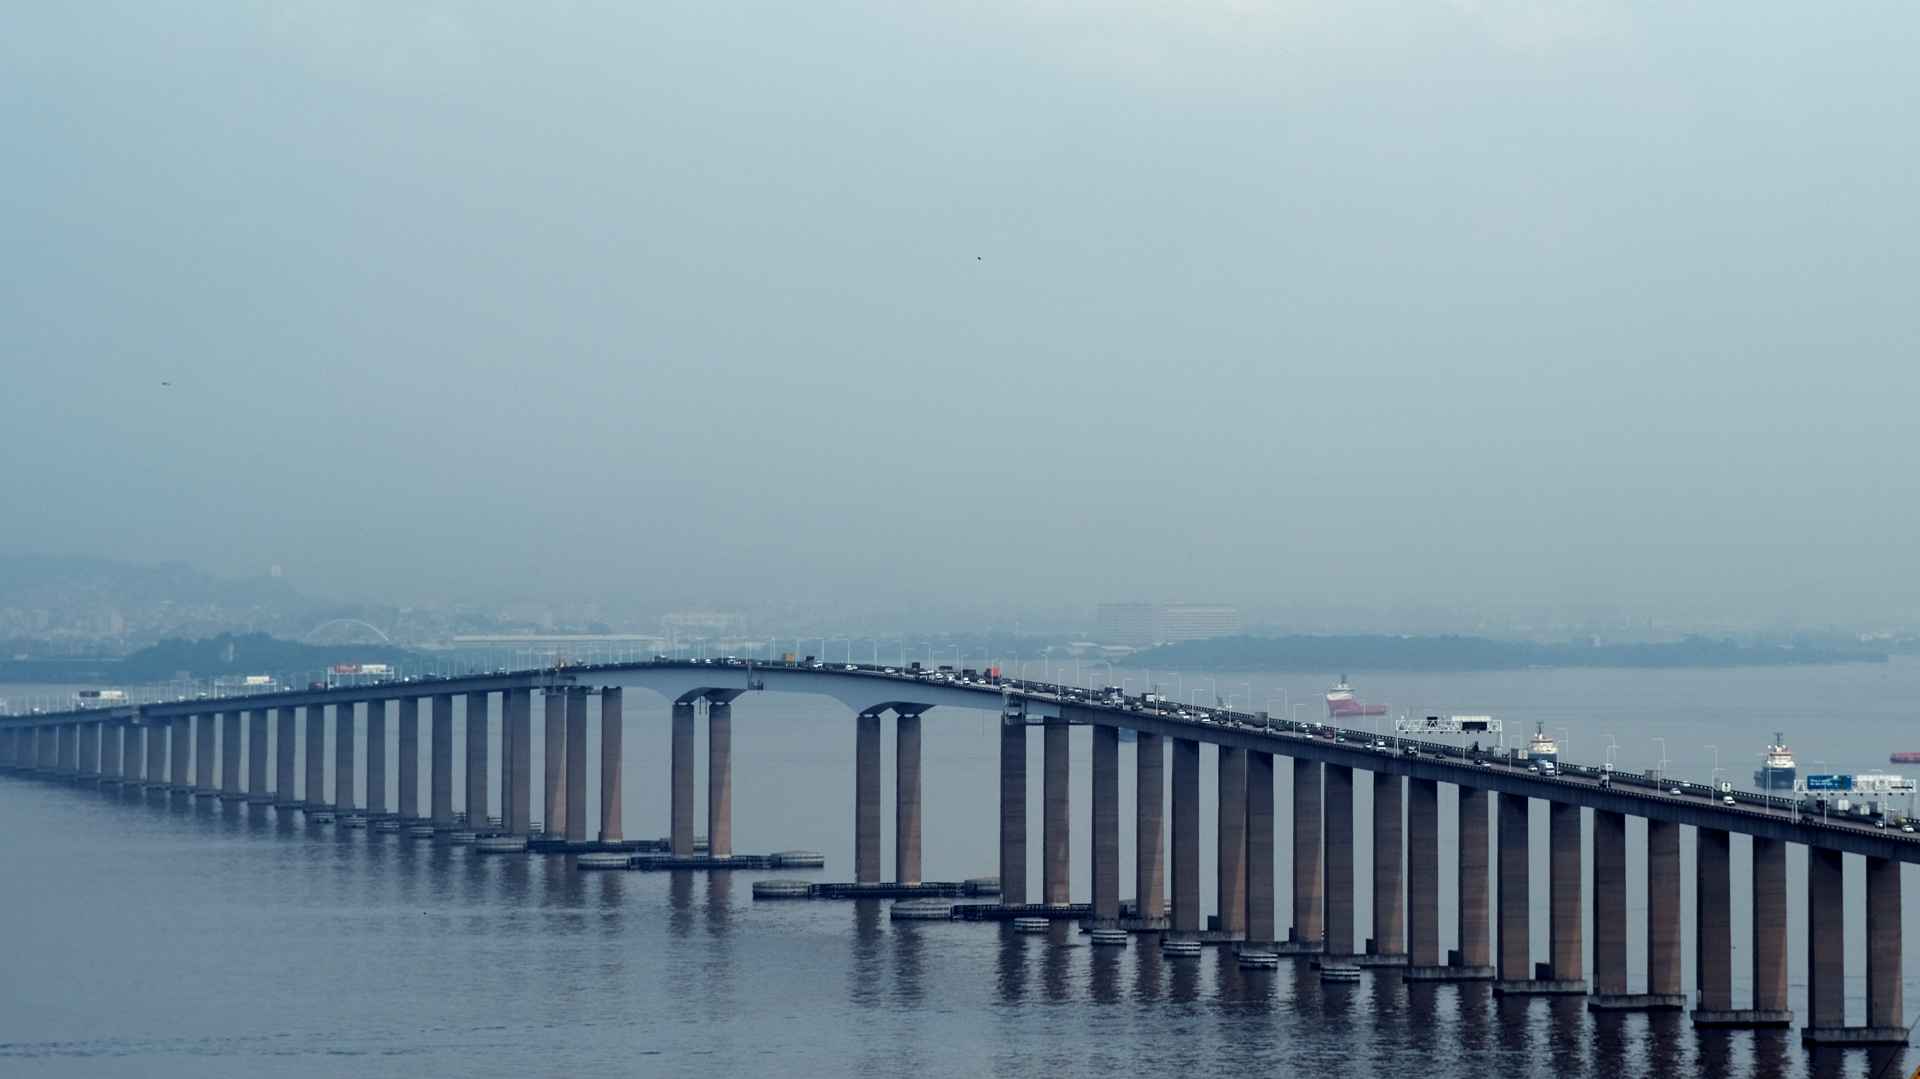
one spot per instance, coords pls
(909, 306)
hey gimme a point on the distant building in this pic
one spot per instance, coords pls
(1130, 624)
(1197, 622)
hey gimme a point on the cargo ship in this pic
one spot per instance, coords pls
(1341, 703)
(1905, 758)
(1778, 772)
(1542, 748)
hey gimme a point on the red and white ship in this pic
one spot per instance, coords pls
(1341, 703)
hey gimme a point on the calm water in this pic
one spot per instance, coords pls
(160, 937)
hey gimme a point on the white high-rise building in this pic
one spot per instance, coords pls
(1197, 622)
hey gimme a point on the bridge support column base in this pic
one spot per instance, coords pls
(1364, 960)
(1299, 947)
(1539, 987)
(1144, 925)
(1637, 1002)
(1853, 1036)
(1741, 1018)
(1448, 974)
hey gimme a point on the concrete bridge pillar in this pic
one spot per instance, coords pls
(69, 744)
(440, 763)
(1609, 903)
(204, 735)
(576, 783)
(554, 810)
(1886, 1007)
(1770, 926)
(157, 753)
(89, 763)
(1186, 836)
(257, 758)
(133, 755)
(1230, 834)
(180, 758)
(1566, 937)
(407, 715)
(1389, 899)
(1150, 827)
(1713, 924)
(376, 758)
(1309, 871)
(1105, 853)
(1338, 807)
(866, 798)
(1826, 944)
(478, 738)
(516, 767)
(1515, 957)
(1663, 908)
(1261, 923)
(906, 798)
(1475, 906)
(110, 742)
(1013, 811)
(343, 753)
(681, 781)
(314, 795)
(719, 779)
(1423, 873)
(612, 732)
(285, 760)
(1056, 825)
(230, 767)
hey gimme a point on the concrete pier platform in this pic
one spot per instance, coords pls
(1376, 960)
(1853, 1036)
(1299, 947)
(1539, 987)
(1637, 1002)
(997, 912)
(702, 861)
(889, 890)
(555, 845)
(1448, 974)
(1742, 1018)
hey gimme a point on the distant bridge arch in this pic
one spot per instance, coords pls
(342, 623)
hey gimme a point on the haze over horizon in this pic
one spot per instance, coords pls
(1478, 305)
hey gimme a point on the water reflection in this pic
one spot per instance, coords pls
(909, 960)
(1668, 1035)
(719, 903)
(1567, 1035)
(864, 977)
(680, 902)
(1056, 958)
(1148, 976)
(1010, 964)
(1183, 979)
(1103, 974)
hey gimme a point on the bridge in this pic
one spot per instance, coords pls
(171, 746)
